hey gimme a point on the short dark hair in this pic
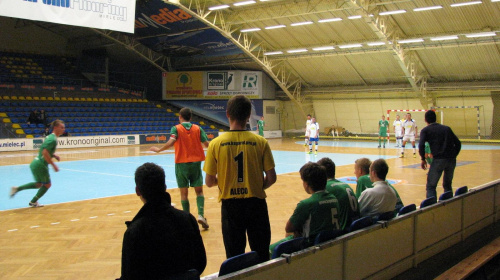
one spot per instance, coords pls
(364, 164)
(186, 113)
(430, 116)
(239, 108)
(381, 168)
(56, 123)
(314, 175)
(329, 166)
(150, 180)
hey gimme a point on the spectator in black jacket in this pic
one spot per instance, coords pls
(43, 118)
(445, 147)
(160, 241)
(33, 117)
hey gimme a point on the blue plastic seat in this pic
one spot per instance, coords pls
(288, 247)
(239, 262)
(428, 202)
(361, 223)
(407, 209)
(386, 216)
(461, 190)
(446, 195)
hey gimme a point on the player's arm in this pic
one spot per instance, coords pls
(205, 144)
(48, 159)
(290, 228)
(211, 180)
(167, 145)
(269, 178)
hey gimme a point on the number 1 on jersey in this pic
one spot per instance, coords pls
(239, 160)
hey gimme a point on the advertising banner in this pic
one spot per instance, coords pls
(93, 141)
(117, 15)
(184, 85)
(22, 144)
(153, 138)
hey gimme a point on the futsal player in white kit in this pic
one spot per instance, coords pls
(410, 133)
(308, 122)
(398, 131)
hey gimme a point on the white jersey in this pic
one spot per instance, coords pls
(410, 127)
(308, 123)
(398, 127)
(313, 130)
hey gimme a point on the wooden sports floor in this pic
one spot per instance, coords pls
(83, 239)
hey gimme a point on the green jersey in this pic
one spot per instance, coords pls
(383, 125)
(49, 144)
(315, 214)
(260, 125)
(347, 201)
(363, 184)
(428, 154)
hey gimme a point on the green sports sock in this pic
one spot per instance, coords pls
(379, 141)
(39, 194)
(200, 202)
(385, 140)
(27, 187)
(185, 205)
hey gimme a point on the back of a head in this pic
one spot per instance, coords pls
(430, 116)
(186, 113)
(150, 180)
(329, 166)
(314, 175)
(381, 168)
(363, 164)
(239, 108)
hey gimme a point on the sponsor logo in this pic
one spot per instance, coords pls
(210, 106)
(131, 140)
(95, 141)
(105, 10)
(13, 144)
(163, 17)
(250, 81)
(37, 143)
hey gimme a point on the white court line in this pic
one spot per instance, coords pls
(11, 230)
(93, 217)
(109, 174)
(127, 211)
(56, 223)
(111, 214)
(75, 220)
(34, 226)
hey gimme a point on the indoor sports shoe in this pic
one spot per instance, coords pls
(384, 146)
(401, 156)
(316, 152)
(13, 192)
(35, 204)
(202, 221)
(378, 146)
(414, 155)
(309, 152)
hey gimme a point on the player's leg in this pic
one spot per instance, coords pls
(234, 227)
(41, 191)
(196, 180)
(433, 177)
(403, 147)
(33, 185)
(448, 170)
(414, 148)
(379, 140)
(310, 145)
(258, 227)
(182, 184)
(316, 146)
(274, 245)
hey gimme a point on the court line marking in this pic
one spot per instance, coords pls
(93, 172)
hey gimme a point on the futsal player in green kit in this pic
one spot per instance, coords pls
(40, 165)
(347, 201)
(383, 126)
(260, 126)
(317, 213)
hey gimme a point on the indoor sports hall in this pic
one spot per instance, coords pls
(118, 75)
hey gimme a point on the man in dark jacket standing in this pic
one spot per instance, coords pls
(161, 241)
(445, 147)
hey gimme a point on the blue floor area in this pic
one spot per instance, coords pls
(89, 179)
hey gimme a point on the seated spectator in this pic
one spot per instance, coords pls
(362, 170)
(160, 241)
(47, 132)
(43, 118)
(347, 201)
(315, 213)
(33, 117)
(381, 198)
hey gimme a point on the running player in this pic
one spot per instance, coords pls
(187, 139)
(410, 132)
(308, 122)
(383, 128)
(40, 165)
(242, 165)
(260, 125)
(313, 135)
(398, 131)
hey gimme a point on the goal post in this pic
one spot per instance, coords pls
(464, 120)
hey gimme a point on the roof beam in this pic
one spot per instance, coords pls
(290, 83)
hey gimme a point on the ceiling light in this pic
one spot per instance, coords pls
(331, 19)
(427, 8)
(297, 51)
(326, 48)
(465, 3)
(392, 12)
(301, 23)
(408, 41)
(244, 3)
(273, 53)
(483, 34)
(444, 38)
(354, 17)
(275, 26)
(373, 44)
(350, 46)
(218, 7)
(250, 29)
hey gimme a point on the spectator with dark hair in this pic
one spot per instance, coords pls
(242, 165)
(445, 148)
(381, 197)
(33, 117)
(161, 241)
(314, 214)
(347, 201)
(43, 118)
